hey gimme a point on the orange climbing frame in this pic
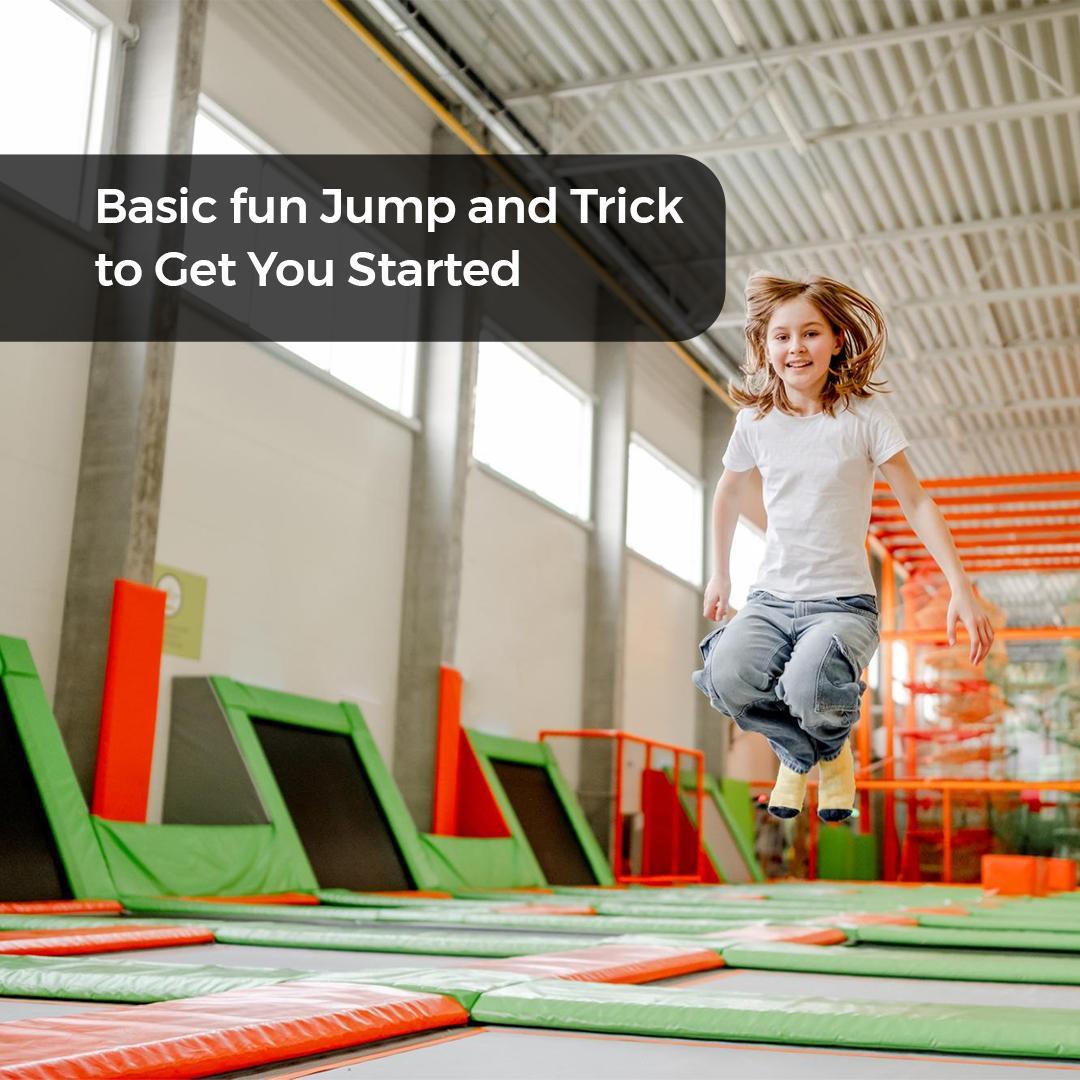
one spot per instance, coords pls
(1012, 523)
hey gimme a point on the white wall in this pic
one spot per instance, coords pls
(662, 611)
(521, 624)
(42, 404)
(291, 498)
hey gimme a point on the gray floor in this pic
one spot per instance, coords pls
(525, 1054)
(31, 1008)
(867, 988)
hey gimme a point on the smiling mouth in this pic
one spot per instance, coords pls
(798, 363)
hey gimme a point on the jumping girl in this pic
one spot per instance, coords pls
(812, 423)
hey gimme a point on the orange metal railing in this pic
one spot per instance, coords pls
(618, 856)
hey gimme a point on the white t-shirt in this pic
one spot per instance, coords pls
(818, 482)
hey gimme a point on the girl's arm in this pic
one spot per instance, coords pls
(731, 489)
(925, 518)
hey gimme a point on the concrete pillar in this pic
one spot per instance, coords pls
(605, 591)
(712, 729)
(119, 489)
(433, 556)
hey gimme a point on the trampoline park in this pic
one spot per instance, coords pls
(349, 719)
(263, 930)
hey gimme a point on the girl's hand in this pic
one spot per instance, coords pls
(965, 608)
(716, 598)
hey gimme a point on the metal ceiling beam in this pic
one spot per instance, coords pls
(713, 147)
(946, 299)
(924, 232)
(795, 53)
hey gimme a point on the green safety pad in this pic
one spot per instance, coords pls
(579, 924)
(1017, 940)
(464, 985)
(720, 912)
(133, 982)
(1003, 923)
(846, 855)
(904, 963)
(209, 909)
(64, 922)
(703, 1013)
(479, 861)
(440, 943)
(737, 800)
(201, 860)
(489, 748)
(348, 898)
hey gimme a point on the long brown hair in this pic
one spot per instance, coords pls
(848, 312)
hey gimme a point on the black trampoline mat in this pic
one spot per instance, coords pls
(346, 835)
(30, 866)
(544, 819)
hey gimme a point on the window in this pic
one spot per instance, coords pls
(533, 426)
(663, 512)
(747, 551)
(384, 371)
(46, 77)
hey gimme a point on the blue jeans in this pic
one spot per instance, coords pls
(789, 669)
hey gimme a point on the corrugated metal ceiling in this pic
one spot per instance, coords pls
(925, 150)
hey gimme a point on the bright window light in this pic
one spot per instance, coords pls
(384, 371)
(533, 427)
(747, 551)
(46, 65)
(663, 512)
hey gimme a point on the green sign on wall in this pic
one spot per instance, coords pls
(185, 605)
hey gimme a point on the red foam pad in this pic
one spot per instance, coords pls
(217, 1033)
(99, 939)
(259, 898)
(948, 909)
(611, 963)
(59, 907)
(801, 935)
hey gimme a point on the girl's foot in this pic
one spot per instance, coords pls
(788, 793)
(836, 795)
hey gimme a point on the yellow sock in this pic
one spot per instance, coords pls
(836, 795)
(788, 793)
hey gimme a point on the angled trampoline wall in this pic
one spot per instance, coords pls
(48, 850)
(541, 809)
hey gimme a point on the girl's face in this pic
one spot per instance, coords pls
(800, 344)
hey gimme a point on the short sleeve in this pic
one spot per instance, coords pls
(886, 437)
(739, 455)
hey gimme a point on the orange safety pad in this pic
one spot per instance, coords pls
(60, 907)
(611, 963)
(1012, 875)
(800, 935)
(545, 909)
(129, 702)
(217, 1033)
(99, 939)
(419, 894)
(259, 898)
(1061, 875)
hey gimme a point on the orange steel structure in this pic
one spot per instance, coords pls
(618, 858)
(1042, 535)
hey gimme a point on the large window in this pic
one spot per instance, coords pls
(384, 371)
(533, 426)
(46, 78)
(663, 512)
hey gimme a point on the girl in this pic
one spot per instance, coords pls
(787, 665)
